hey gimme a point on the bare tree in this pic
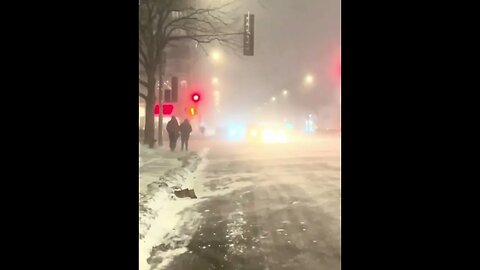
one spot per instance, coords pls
(163, 22)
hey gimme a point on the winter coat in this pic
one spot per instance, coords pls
(185, 129)
(172, 127)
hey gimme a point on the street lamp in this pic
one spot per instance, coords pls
(309, 79)
(215, 80)
(273, 99)
(216, 56)
(285, 92)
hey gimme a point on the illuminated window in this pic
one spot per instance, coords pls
(183, 84)
(176, 14)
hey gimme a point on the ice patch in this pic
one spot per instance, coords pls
(168, 218)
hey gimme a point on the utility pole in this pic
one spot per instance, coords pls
(160, 117)
(161, 72)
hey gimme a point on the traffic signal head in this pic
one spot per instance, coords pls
(196, 97)
(192, 111)
(248, 34)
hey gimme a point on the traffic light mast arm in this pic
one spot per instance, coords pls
(206, 35)
(248, 35)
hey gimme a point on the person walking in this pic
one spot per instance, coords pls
(173, 129)
(185, 130)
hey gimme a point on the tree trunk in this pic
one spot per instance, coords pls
(149, 136)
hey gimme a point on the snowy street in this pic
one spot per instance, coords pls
(256, 99)
(260, 206)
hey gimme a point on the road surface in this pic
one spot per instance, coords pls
(267, 206)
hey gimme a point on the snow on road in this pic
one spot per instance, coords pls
(265, 207)
(162, 172)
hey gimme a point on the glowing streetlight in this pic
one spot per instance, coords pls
(216, 56)
(273, 99)
(215, 80)
(309, 79)
(285, 92)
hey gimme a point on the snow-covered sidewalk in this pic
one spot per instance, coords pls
(162, 172)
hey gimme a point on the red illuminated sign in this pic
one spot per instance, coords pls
(167, 109)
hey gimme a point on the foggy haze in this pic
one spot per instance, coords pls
(292, 38)
(251, 178)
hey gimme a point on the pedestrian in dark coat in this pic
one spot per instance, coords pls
(173, 129)
(185, 130)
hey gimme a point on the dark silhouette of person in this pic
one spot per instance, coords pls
(173, 129)
(185, 130)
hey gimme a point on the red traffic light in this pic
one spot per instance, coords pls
(196, 97)
(156, 110)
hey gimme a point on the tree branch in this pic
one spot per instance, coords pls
(141, 61)
(195, 37)
(195, 12)
(157, 28)
(218, 19)
(142, 82)
(160, 47)
(194, 25)
(165, 14)
(142, 57)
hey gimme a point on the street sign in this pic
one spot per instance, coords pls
(167, 109)
(248, 34)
